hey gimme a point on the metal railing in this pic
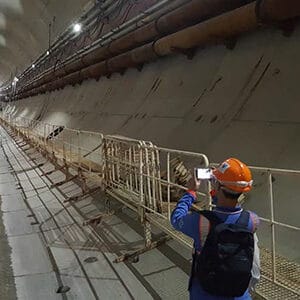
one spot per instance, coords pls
(280, 241)
(150, 179)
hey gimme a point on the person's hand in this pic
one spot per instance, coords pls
(193, 184)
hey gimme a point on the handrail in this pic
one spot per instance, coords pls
(141, 175)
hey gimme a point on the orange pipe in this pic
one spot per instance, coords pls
(217, 29)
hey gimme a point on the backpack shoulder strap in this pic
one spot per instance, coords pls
(211, 216)
(204, 229)
(243, 219)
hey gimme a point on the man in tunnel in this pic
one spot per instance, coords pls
(225, 256)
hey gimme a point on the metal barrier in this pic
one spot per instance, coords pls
(150, 179)
(77, 150)
(136, 176)
(280, 270)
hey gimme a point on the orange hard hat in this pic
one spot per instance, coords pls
(234, 175)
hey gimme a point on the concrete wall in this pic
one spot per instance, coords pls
(242, 102)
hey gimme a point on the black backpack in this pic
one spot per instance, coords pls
(224, 264)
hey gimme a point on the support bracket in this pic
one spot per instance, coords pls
(63, 182)
(230, 43)
(288, 27)
(189, 53)
(88, 192)
(97, 219)
(135, 254)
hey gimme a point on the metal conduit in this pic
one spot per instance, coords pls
(84, 19)
(92, 13)
(124, 28)
(143, 18)
(212, 31)
(87, 21)
(228, 25)
(189, 14)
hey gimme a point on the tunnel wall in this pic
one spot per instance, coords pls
(242, 102)
(222, 102)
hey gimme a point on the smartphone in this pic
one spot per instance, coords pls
(201, 174)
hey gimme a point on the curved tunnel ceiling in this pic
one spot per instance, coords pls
(24, 30)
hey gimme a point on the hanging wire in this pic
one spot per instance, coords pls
(91, 33)
(127, 12)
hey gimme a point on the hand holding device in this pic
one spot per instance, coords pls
(193, 184)
(201, 174)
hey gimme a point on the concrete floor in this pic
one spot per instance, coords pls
(49, 248)
(7, 282)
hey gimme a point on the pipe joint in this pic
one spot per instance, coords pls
(274, 11)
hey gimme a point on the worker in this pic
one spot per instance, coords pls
(225, 255)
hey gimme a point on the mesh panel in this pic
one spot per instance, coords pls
(287, 274)
(272, 291)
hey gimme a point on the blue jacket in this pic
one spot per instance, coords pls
(190, 224)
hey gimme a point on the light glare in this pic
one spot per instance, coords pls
(77, 27)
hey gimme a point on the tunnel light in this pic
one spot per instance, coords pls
(77, 27)
(15, 80)
(33, 66)
(48, 52)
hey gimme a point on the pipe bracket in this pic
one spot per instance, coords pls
(140, 67)
(261, 20)
(288, 26)
(189, 53)
(230, 43)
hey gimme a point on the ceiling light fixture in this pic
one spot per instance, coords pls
(77, 27)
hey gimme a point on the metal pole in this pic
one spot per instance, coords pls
(53, 128)
(141, 184)
(147, 225)
(272, 227)
(135, 168)
(155, 194)
(130, 168)
(90, 159)
(79, 149)
(157, 168)
(168, 186)
(147, 163)
(64, 146)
